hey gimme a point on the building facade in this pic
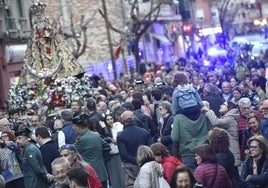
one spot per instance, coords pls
(14, 32)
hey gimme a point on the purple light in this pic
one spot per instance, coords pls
(216, 51)
(206, 62)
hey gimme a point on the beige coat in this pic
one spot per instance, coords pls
(149, 175)
(229, 123)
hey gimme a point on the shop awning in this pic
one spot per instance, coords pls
(162, 38)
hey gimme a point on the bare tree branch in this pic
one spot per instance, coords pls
(110, 25)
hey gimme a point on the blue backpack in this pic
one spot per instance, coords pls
(186, 99)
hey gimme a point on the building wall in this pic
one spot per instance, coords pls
(12, 33)
(97, 47)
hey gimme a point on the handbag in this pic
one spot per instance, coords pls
(162, 182)
(214, 178)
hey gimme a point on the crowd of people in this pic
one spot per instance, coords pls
(180, 127)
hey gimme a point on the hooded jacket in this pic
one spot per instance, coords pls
(169, 164)
(228, 122)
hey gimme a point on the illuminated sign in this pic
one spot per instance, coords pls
(210, 31)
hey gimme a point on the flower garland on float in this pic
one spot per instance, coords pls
(49, 93)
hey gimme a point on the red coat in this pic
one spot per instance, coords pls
(93, 179)
(205, 173)
(169, 164)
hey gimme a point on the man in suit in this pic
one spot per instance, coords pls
(128, 142)
(90, 146)
(48, 148)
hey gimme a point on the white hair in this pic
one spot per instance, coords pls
(243, 101)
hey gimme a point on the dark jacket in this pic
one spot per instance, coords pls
(227, 160)
(264, 128)
(69, 133)
(96, 115)
(49, 152)
(34, 172)
(129, 140)
(166, 131)
(215, 101)
(261, 179)
(144, 121)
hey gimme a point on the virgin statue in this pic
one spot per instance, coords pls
(46, 55)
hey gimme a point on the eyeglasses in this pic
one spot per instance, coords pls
(253, 147)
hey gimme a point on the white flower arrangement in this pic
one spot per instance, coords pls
(49, 93)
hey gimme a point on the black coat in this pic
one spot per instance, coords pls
(49, 152)
(144, 121)
(215, 101)
(129, 140)
(228, 162)
(166, 132)
(260, 179)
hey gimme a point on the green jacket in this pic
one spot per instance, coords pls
(34, 172)
(190, 133)
(89, 145)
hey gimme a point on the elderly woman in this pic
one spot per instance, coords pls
(219, 140)
(70, 153)
(209, 173)
(255, 169)
(165, 122)
(150, 170)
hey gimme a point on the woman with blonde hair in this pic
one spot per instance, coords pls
(255, 168)
(150, 171)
